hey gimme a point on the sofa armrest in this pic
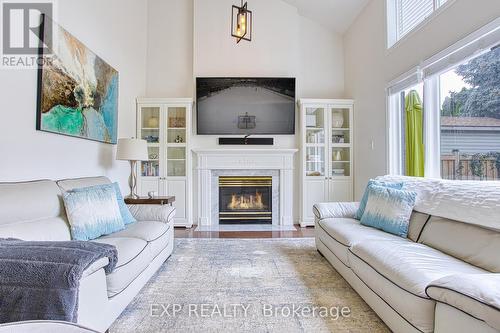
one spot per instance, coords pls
(160, 213)
(44, 326)
(335, 210)
(94, 267)
(475, 294)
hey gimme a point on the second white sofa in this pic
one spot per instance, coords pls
(445, 277)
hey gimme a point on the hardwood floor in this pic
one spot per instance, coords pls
(192, 233)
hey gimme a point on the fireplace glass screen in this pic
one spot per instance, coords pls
(245, 199)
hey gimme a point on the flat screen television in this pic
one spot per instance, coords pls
(232, 106)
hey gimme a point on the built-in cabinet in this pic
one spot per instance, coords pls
(165, 124)
(326, 153)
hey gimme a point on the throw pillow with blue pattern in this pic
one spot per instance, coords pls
(362, 203)
(124, 211)
(92, 212)
(389, 209)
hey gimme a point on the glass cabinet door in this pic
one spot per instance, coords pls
(176, 141)
(150, 131)
(315, 157)
(340, 142)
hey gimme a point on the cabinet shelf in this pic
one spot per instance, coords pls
(161, 174)
(325, 180)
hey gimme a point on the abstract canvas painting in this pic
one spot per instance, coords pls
(77, 90)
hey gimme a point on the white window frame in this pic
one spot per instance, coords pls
(428, 72)
(392, 26)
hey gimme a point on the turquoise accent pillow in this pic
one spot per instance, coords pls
(389, 209)
(92, 212)
(124, 211)
(364, 199)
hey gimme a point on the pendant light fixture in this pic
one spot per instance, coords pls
(241, 22)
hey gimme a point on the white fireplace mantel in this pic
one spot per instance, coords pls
(209, 160)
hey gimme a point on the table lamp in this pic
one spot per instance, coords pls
(132, 150)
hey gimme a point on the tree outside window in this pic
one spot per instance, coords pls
(470, 119)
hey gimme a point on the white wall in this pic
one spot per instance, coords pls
(116, 31)
(321, 61)
(369, 66)
(170, 48)
(190, 38)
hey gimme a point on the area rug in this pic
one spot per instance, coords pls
(247, 285)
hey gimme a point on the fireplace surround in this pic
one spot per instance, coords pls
(214, 163)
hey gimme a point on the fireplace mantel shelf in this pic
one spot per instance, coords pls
(245, 151)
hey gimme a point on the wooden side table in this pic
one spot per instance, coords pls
(168, 200)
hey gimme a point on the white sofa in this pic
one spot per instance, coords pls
(445, 277)
(34, 211)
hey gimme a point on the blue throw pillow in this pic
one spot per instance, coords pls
(362, 204)
(389, 209)
(92, 212)
(124, 211)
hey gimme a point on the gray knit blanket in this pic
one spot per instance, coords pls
(40, 280)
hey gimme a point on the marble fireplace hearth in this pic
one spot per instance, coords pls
(275, 163)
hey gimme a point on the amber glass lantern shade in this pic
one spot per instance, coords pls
(241, 23)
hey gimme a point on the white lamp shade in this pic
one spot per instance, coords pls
(132, 150)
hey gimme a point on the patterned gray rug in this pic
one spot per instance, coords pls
(247, 285)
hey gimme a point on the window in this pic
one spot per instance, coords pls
(405, 15)
(453, 100)
(470, 119)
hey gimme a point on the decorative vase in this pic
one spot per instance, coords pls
(337, 155)
(153, 122)
(337, 119)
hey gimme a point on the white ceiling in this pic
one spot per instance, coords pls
(336, 15)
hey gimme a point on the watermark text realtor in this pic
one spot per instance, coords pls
(26, 33)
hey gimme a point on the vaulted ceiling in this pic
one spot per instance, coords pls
(336, 15)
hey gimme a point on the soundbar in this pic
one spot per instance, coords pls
(247, 141)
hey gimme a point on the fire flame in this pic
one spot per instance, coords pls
(246, 201)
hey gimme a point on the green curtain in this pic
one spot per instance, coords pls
(414, 135)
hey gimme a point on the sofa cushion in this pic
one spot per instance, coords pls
(473, 202)
(32, 211)
(145, 230)
(72, 183)
(124, 211)
(473, 244)
(364, 200)
(417, 311)
(409, 265)
(133, 258)
(417, 222)
(351, 231)
(474, 294)
(92, 212)
(389, 209)
(399, 270)
(347, 232)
